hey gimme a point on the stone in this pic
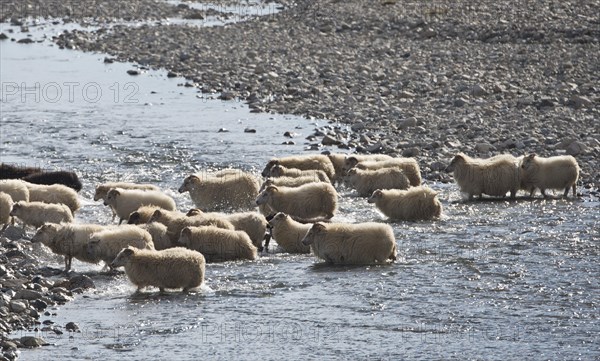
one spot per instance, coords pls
(329, 140)
(72, 327)
(576, 148)
(28, 295)
(484, 147)
(133, 72)
(407, 123)
(478, 91)
(3, 36)
(579, 101)
(25, 41)
(437, 166)
(460, 102)
(30, 341)
(411, 152)
(249, 130)
(406, 95)
(80, 281)
(18, 306)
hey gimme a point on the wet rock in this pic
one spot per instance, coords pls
(290, 134)
(72, 327)
(172, 74)
(80, 281)
(249, 130)
(3, 36)
(411, 152)
(8, 345)
(328, 140)
(484, 147)
(223, 130)
(460, 102)
(30, 341)
(18, 306)
(576, 148)
(25, 41)
(478, 91)
(39, 305)
(407, 123)
(579, 101)
(27, 295)
(437, 166)
(406, 95)
(108, 60)
(14, 233)
(133, 72)
(226, 96)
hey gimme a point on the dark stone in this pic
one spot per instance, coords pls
(133, 72)
(30, 341)
(72, 327)
(25, 41)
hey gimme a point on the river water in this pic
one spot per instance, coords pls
(493, 280)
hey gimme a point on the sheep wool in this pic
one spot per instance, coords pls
(55, 193)
(409, 165)
(281, 171)
(365, 182)
(68, 239)
(107, 243)
(102, 189)
(36, 214)
(339, 161)
(559, 172)
(307, 201)
(303, 162)
(217, 244)
(343, 243)
(235, 191)
(289, 234)
(494, 176)
(171, 268)
(16, 189)
(6, 204)
(142, 215)
(127, 201)
(176, 221)
(158, 231)
(416, 203)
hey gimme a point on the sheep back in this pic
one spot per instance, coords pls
(36, 214)
(416, 203)
(365, 182)
(16, 189)
(558, 172)
(229, 192)
(307, 201)
(55, 193)
(107, 243)
(217, 244)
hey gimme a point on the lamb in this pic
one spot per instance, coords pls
(55, 193)
(126, 201)
(339, 160)
(36, 214)
(559, 172)
(408, 165)
(307, 201)
(230, 191)
(170, 268)
(102, 189)
(6, 204)
(69, 240)
(217, 244)
(68, 179)
(158, 231)
(281, 171)
(288, 233)
(367, 181)
(416, 203)
(253, 223)
(288, 181)
(16, 189)
(142, 215)
(342, 243)
(493, 176)
(107, 243)
(176, 221)
(304, 162)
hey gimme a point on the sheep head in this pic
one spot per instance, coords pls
(276, 171)
(45, 234)
(189, 183)
(317, 231)
(123, 257)
(458, 159)
(377, 195)
(264, 196)
(272, 162)
(528, 161)
(279, 217)
(185, 236)
(16, 208)
(100, 192)
(111, 197)
(134, 218)
(156, 216)
(194, 212)
(350, 163)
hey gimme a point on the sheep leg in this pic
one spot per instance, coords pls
(121, 221)
(161, 289)
(531, 192)
(574, 192)
(513, 193)
(566, 192)
(543, 191)
(267, 240)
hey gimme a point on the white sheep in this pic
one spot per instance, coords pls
(288, 181)
(303, 162)
(69, 240)
(15, 188)
(36, 214)
(339, 161)
(343, 243)
(307, 201)
(416, 203)
(230, 191)
(494, 176)
(102, 189)
(176, 221)
(159, 234)
(289, 234)
(6, 204)
(127, 201)
(217, 244)
(54, 193)
(142, 215)
(558, 172)
(253, 223)
(171, 268)
(316, 174)
(107, 243)
(367, 181)
(409, 165)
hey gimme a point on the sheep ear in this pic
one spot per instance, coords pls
(157, 213)
(271, 189)
(531, 156)
(193, 176)
(127, 251)
(318, 227)
(186, 232)
(378, 193)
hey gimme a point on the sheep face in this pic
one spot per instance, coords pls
(123, 257)
(45, 234)
(528, 162)
(193, 212)
(100, 192)
(111, 197)
(316, 232)
(16, 209)
(156, 216)
(377, 195)
(276, 171)
(190, 183)
(350, 175)
(267, 170)
(134, 218)
(279, 217)
(264, 196)
(458, 159)
(185, 236)
(350, 163)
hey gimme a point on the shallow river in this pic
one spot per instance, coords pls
(496, 280)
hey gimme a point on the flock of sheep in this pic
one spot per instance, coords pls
(166, 248)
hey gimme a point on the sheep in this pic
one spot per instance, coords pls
(303, 162)
(217, 244)
(176, 221)
(55, 193)
(36, 214)
(6, 204)
(158, 231)
(16, 189)
(281, 171)
(408, 165)
(416, 203)
(307, 201)
(170, 268)
(126, 201)
(253, 223)
(102, 189)
(342, 243)
(68, 179)
(8, 171)
(493, 176)
(558, 172)
(367, 181)
(142, 215)
(69, 240)
(107, 243)
(339, 160)
(289, 181)
(288, 233)
(230, 191)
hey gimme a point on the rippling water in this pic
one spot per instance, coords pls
(498, 280)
